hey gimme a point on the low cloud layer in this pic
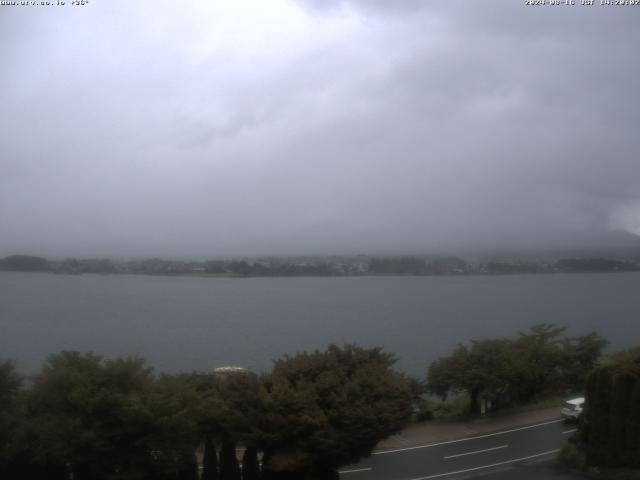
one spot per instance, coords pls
(207, 129)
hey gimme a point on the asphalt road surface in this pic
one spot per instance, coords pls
(521, 452)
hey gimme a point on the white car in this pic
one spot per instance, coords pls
(572, 409)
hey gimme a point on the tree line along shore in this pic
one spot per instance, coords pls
(322, 266)
(97, 419)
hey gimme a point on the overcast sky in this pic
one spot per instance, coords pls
(235, 127)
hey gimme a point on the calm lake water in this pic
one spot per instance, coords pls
(185, 323)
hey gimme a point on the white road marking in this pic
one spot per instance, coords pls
(383, 452)
(569, 431)
(477, 451)
(355, 471)
(506, 462)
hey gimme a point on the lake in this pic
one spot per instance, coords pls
(191, 323)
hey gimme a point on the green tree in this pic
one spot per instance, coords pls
(483, 371)
(446, 373)
(173, 409)
(327, 409)
(580, 356)
(84, 415)
(550, 363)
(232, 409)
(539, 362)
(238, 407)
(10, 418)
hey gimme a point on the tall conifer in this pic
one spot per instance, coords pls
(209, 460)
(229, 467)
(250, 467)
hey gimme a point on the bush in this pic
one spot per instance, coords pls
(572, 457)
(611, 427)
(454, 407)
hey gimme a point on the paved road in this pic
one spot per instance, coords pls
(480, 454)
(543, 470)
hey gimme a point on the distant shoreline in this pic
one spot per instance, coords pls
(355, 266)
(364, 275)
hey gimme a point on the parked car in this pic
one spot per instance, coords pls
(572, 409)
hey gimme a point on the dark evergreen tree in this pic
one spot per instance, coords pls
(250, 465)
(187, 466)
(610, 429)
(209, 460)
(10, 383)
(266, 472)
(229, 467)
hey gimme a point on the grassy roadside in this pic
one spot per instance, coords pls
(457, 409)
(573, 460)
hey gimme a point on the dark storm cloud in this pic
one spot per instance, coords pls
(316, 127)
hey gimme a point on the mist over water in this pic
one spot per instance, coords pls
(184, 324)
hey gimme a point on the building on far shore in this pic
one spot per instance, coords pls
(225, 371)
